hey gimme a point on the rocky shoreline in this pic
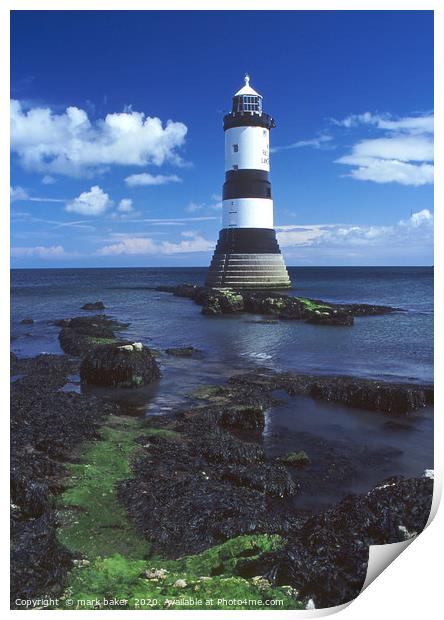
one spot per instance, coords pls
(198, 479)
(229, 301)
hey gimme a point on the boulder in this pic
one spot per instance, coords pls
(119, 365)
(96, 305)
(81, 334)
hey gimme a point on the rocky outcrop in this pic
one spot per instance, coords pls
(81, 334)
(326, 558)
(390, 397)
(206, 486)
(92, 306)
(120, 365)
(229, 301)
(46, 423)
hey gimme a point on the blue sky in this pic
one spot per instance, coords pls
(117, 141)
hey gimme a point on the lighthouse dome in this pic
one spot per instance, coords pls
(246, 89)
(247, 99)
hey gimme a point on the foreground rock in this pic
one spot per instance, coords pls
(45, 425)
(229, 301)
(207, 486)
(81, 334)
(96, 305)
(326, 558)
(119, 365)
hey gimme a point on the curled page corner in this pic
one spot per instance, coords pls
(381, 556)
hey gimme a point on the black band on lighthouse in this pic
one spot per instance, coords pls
(246, 184)
(248, 119)
(247, 241)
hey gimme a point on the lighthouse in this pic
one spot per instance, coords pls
(247, 254)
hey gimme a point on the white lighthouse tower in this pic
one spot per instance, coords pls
(247, 254)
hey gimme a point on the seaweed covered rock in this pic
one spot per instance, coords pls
(46, 423)
(182, 351)
(333, 317)
(297, 459)
(326, 559)
(204, 487)
(119, 365)
(216, 301)
(222, 301)
(95, 305)
(245, 417)
(81, 334)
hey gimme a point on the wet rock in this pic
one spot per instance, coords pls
(27, 321)
(326, 559)
(334, 317)
(243, 417)
(390, 397)
(222, 301)
(119, 365)
(81, 334)
(96, 305)
(317, 312)
(186, 495)
(298, 459)
(46, 424)
(182, 351)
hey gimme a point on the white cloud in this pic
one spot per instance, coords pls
(71, 144)
(125, 205)
(54, 251)
(194, 206)
(414, 231)
(94, 202)
(18, 193)
(135, 180)
(404, 155)
(317, 143)
(193, 242)
(48, 180)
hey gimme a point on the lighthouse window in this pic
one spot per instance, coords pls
(235, 167)
(235, 148)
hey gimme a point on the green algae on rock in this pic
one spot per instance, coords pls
(92, 521)
(204, 581)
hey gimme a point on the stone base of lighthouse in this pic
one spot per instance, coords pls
(247, 258)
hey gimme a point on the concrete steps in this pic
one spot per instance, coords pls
(248, 271)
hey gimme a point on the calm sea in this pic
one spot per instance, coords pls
(398, 346)
(392, 347)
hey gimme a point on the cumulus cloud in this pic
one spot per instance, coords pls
(125, 205)
(94, 202)
(192, 242)
(73, 145)
(415, 230)
(403, 155)
(136, 180)
(54, 251)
